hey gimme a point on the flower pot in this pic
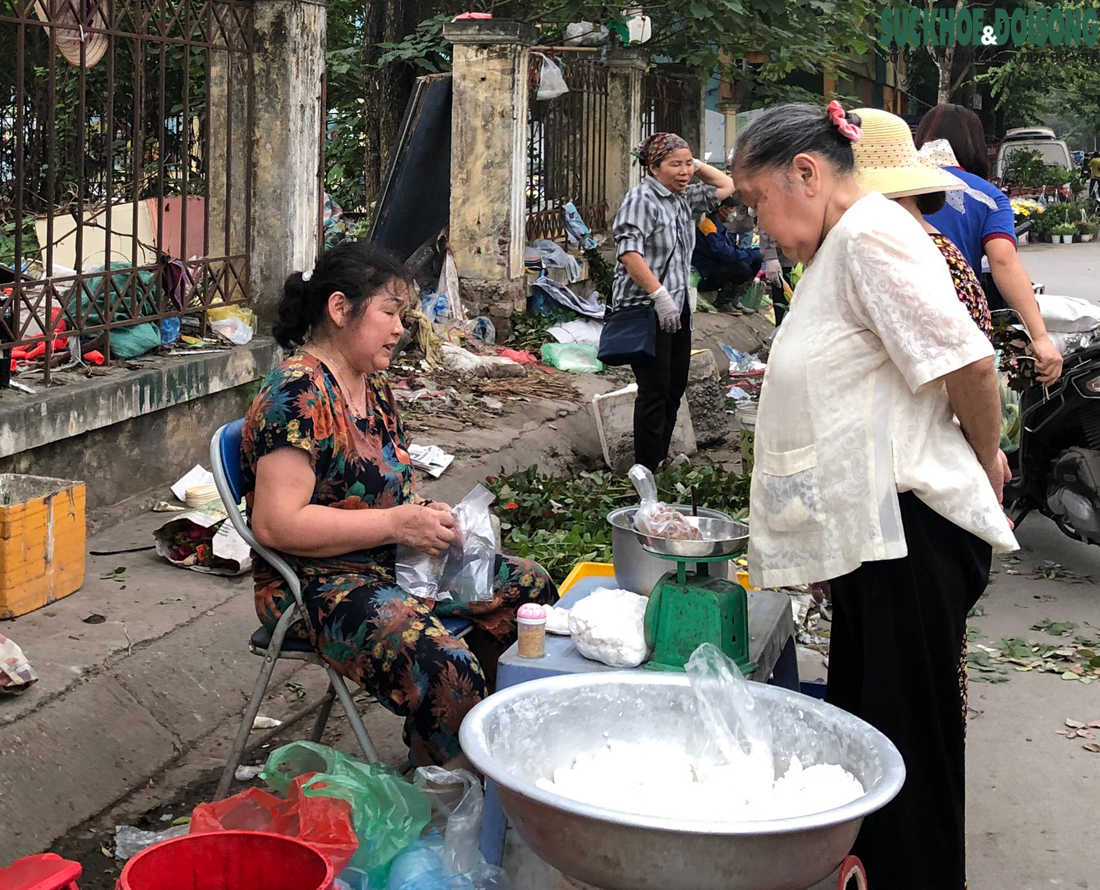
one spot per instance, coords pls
(1024, 238)
(1064, 239)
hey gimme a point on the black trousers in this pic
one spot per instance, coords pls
(732, 273)
(662, 381)
(894, 661)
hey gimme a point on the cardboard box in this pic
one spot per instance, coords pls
(42, 532)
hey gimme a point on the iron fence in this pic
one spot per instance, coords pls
(567, 147)
(663, 99)
(124, 169)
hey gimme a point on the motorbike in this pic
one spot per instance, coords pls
(1056, 466)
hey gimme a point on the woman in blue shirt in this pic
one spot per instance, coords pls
(980, 221)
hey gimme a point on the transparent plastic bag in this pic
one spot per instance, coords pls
(457, 806)
(465, 571)
(738, 736)
(654, 517)
(551, 81)
(388, 813)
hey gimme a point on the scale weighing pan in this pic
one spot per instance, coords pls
(721, 537)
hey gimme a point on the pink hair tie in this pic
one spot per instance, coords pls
(840, 118)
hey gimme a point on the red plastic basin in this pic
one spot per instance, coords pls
(228, 860)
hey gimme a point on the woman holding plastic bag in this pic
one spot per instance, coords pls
(325, 458)
(654, 240)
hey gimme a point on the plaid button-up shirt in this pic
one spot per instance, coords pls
(659, 225)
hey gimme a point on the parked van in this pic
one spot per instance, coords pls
(1040, 139)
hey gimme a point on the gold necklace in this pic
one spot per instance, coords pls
(354, 400)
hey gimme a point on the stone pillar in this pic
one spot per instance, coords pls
(281, 153)
(624, 122)
(489, 163)
(729, 111)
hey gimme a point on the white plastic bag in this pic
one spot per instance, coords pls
(465, 571)
(653, 517)
(551, 82)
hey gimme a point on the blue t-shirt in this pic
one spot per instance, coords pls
(977, 223)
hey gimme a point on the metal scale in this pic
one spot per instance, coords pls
(689, 608)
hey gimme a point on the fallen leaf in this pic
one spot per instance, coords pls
(1073, 724)
(1093, 747)
(95, 619)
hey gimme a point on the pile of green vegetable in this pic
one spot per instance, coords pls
(559, 521)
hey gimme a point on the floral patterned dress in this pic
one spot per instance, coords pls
(362, 622)
(966, 283)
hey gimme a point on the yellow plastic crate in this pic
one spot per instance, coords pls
(42, 531)
(586, 570)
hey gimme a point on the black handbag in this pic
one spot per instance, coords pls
(628, 335)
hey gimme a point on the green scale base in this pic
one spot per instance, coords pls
(687, 610)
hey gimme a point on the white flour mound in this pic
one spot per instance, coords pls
(653, 779)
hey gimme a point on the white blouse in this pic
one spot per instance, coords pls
(853, 408)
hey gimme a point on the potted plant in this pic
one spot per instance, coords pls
(1063, 233)
(1090, 230)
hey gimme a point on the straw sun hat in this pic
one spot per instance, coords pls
(887, 160)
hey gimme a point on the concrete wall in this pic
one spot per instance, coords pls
(130, 431)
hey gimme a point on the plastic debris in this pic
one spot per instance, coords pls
(130, 841)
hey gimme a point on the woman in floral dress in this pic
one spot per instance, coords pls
(331, 485)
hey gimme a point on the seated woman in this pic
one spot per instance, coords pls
(326, 460)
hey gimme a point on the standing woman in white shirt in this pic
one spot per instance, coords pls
(864, 479)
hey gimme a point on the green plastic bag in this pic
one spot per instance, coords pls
(388, 813)
(580, 358)
(95, 298)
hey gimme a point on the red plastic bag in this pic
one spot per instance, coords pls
(322, 822)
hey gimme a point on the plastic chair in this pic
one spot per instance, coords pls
(225, 460)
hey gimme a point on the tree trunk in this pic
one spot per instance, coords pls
(386, 90)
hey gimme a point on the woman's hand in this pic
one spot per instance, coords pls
(1000, 474)
(1048, 360)
(821, 592)
(430, 529)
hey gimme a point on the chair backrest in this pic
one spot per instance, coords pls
(229, 439)
(225, 464)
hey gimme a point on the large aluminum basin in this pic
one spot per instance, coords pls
(524, 733)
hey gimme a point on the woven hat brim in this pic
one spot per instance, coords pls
(902, 182)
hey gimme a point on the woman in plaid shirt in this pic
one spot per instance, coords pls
(654, 239)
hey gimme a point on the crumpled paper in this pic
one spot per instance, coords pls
(16, 673)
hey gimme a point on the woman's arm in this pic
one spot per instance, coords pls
(1015, 286)
(639, 271)
(284, 519)
(717, 178)
(972, 392)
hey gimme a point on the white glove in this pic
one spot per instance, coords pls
(697, 163)
(668, 313)
(774, 271)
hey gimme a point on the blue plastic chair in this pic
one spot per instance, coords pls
(225, 460)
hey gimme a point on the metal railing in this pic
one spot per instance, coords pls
(125, 133)
(663, 99)
(567, 147)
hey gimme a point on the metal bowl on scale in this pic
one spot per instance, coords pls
(719, 537)
(639, 570)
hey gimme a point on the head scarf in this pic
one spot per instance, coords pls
(650, 152)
